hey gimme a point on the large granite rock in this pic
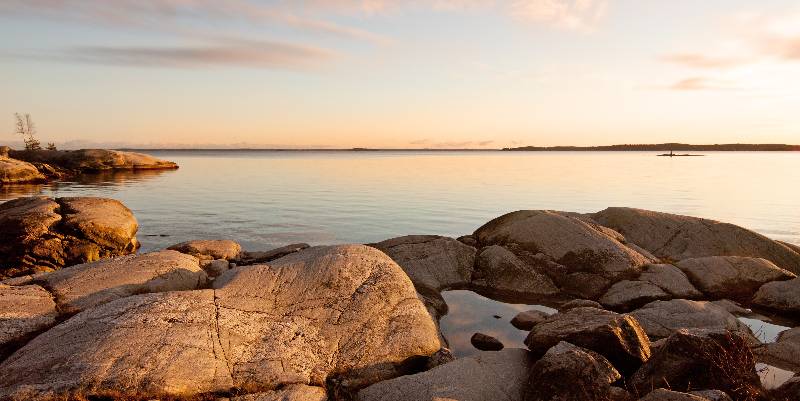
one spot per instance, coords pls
(782, 296)
(676, 237)
(567, 372)
(731, 276)
(152, 345)
(788, 391)
(210, 249)
(84, 286)
(89, 160)
(13, 171)
(784, 353)
(487, 376)
(498, 270)
(670, 279)
(617, 337)
(24, 312)
(566, 240)
(662, 318)
(43, 234)
(701, 359)
(346, 312)
(628, 294)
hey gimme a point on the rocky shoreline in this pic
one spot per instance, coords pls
(649, 308)
(38, 166)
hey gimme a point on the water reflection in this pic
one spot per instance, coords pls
(771, 376)
(469, 313)
(765, 332)
(72, 186)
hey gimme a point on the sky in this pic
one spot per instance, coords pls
(400, 74)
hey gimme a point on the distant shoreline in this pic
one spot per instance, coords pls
(665, 147)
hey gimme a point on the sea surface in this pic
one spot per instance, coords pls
(265, 199)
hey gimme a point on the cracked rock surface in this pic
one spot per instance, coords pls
(319, 313)
(24, 311)
(45, 234)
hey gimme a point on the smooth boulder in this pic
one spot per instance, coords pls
(151, 345)
(660, 319)
(498, 270)
(617, 337)
(675, 237)
(345, 312)
(528, 319)
(210, 249)
(24, 312)
(485, 342)
(432, 261)
(566, 240)
(783, 296)
(670, 279)
(731, 276)
(487, 376)
(84, 286)
(44, 234)
(566, 372)
(13, 171)
(628, 294)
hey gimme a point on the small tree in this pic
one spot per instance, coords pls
(51, 146)
(27, 130)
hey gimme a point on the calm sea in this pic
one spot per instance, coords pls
(269, 198)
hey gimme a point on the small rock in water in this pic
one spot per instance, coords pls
(581, 303)
(528, 319)
(485, 342)
(496, 316)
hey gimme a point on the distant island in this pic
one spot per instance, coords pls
(666, 147)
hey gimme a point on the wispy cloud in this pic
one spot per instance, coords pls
(695, 60)
(258, 54)
(701, 84)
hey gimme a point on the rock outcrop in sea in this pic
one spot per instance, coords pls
(649, 308)
(34, 166)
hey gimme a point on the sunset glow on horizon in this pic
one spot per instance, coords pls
(400, 74)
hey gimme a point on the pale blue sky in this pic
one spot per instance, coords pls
(446, 73)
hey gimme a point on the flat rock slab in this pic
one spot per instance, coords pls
(13, 171)
(660, 319)
(617, 337)
(213, 249)
(292, 392)
(567, 240)
(731, 276)
(783, 353)
(677, 237)
(84, 286)
(348, 312)
(24, 312)
(782, 296)
(151, 345)
(497, 375)
(43, 234)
